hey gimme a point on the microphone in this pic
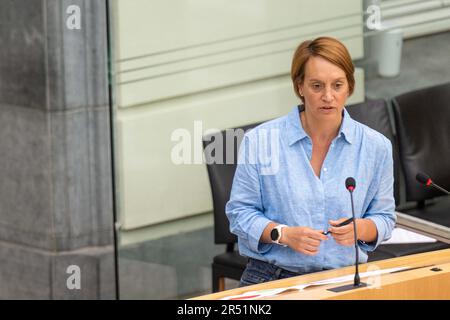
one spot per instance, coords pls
(425, 179)
(350, 185)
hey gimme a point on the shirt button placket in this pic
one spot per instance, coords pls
(321, 214)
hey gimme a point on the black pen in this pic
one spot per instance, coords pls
(346, 222)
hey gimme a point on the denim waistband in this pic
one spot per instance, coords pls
(277, 271)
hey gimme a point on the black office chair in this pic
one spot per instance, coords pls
(422, 119)
(375, 114)
(229, 264)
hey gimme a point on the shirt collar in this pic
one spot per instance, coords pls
(295, 130)
(297, 133)
(347, 129)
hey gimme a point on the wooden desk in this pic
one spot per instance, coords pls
(419, 283)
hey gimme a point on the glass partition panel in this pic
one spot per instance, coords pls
(182, 69)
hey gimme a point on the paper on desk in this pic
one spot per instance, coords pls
(405, 236)
(253, 295)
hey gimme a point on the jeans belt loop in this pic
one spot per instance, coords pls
(278, 272)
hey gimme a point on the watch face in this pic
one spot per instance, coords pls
(274, 234)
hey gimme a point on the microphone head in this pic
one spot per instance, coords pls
(350, 184)
(423, 178)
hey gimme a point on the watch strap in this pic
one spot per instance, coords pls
(279, 228)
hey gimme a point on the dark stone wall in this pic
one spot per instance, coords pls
(55, 151)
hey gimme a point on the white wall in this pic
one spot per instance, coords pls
(415, 18)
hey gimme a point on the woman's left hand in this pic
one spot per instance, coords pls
(344, 235)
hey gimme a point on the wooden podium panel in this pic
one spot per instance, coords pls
(419, 283)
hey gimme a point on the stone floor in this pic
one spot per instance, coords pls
(425, 62)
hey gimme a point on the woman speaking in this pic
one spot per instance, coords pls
(289, 198)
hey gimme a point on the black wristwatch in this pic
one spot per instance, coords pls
(275, 234)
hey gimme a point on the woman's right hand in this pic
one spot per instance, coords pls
(303, 239)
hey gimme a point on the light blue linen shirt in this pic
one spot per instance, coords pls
(274, 181)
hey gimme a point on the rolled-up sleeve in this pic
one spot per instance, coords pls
(244, 209)
(381, 209)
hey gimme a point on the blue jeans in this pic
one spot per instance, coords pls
(258, 271)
